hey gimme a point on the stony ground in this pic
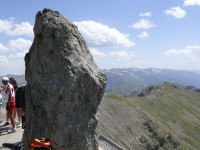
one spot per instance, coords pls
(5, 135)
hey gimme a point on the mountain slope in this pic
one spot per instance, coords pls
(168, 118)
(126, 80)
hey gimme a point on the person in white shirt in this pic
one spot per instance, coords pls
(10, 101)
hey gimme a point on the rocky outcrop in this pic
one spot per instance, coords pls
(154, 140)
(64, 85)
(193, 88)
(148, 90)
(198, 90)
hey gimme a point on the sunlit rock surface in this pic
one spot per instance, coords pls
(64, 85)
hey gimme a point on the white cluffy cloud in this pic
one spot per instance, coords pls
(143, 24)
(19, 44)
(191, 2)
(143, 35)
(99, 35)
(176, 12)
(15, 49)
(3, 59)
(9, 27)
(146, 14)
(25, 28)
(19, 47)
(97, 53)
(6, 25)
(191, 52)
(3, 48)
(114, 55)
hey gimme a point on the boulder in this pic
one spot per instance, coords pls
(64, 85)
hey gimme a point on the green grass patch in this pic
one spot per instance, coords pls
(113, 96)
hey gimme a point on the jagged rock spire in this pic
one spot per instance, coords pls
(64, 85)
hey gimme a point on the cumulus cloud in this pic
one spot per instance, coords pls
(6, 25)
(14, 56)
(191, 2)
(9, 27)
(21, 53)
(176, 12)
(99, 35)
(3, 59)
(143, 24)
(146, 14)
(16, 48)
(120, 55)
(3, 48)
(191, 52)
(25, 28)
(97, 53)
(143, 35)
(19, 44)
(114, 55)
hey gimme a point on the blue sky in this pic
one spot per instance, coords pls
(119, 33)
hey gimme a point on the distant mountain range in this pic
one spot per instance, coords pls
(127, 80)
(131, 81)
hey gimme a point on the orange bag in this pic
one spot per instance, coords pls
(42, 142)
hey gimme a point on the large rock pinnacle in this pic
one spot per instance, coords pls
(64, 85)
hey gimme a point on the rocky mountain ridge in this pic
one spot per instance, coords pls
(127, 80)
(166, 118)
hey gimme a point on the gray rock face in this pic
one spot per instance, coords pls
(64, 85)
